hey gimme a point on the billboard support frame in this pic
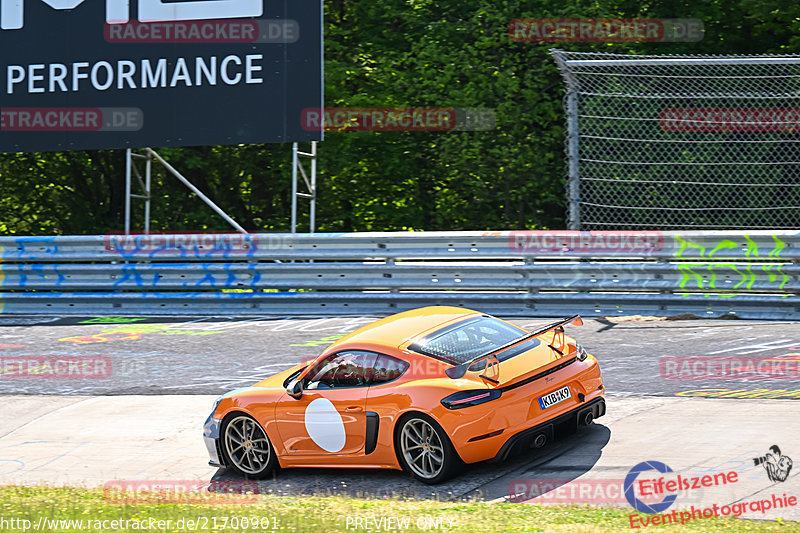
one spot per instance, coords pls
(128, 165)
(311, 184)
(149, 155)
(132, 171)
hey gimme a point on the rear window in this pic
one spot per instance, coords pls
(465, 340)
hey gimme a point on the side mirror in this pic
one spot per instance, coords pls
(295, 389)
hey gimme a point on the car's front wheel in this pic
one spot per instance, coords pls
(246, 446)
(424, 450)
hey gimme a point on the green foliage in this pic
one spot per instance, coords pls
(393, 53)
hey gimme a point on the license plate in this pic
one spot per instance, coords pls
(554, 397)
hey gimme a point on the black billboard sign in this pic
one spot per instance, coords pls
(90, 74)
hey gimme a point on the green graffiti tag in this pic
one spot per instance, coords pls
(779, 246)
(688, 244)
(723, 245)
(111, 320)
(705, 276)
(752, 247)
(726, 244)
(737, 277)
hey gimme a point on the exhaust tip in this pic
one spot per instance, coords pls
(588, 418)
(539, 441)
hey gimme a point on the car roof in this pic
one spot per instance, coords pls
(399, 329)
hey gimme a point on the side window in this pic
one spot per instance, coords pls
(342, 370)
(388, 368)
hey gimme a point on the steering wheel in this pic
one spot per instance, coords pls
(341, 373)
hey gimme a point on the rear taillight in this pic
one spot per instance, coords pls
(462, 399)
(582, 353)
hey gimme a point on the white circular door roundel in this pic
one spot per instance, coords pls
(325, 426)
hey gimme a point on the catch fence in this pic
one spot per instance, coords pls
(682, 142)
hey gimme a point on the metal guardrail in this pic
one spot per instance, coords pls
(405, 245)
(510, 273)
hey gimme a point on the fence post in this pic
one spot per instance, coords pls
(573, 158)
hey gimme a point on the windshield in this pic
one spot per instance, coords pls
(466, 340)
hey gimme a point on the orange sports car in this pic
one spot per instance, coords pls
(422, 391)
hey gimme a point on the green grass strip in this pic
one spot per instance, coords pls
(55, 507)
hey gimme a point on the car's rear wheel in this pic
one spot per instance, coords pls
(246, 446)
(424, 450)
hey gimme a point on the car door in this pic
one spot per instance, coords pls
(329, 417)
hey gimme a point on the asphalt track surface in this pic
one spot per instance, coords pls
(214, 355)
(142, 420)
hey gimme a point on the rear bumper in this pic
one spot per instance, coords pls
(571, 420)
(479, 432)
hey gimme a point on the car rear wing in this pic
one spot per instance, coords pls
(458, 371)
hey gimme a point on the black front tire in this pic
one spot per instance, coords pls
(246, 446)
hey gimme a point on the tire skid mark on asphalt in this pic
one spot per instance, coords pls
(757, 348)
(45, 415)
(74, 446)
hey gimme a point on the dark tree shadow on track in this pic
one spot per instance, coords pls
(567, 460)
